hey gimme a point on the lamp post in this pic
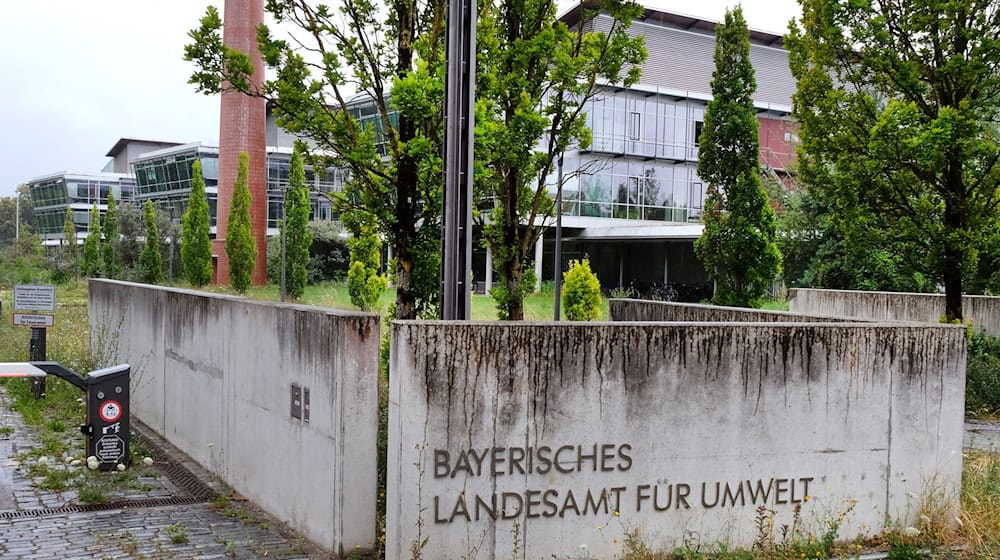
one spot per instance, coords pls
(557, 266)
(173, 233)
(284, 230)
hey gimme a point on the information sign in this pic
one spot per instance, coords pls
(34, 297)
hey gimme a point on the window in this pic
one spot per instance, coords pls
(636, 124)
(698, 127)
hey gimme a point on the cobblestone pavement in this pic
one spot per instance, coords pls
(37, 523)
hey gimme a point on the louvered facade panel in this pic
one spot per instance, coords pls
(682, 60)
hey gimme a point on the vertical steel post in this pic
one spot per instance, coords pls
(36, 353)
(459, 128)
(557, 266)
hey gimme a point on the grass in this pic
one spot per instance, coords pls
(537, 307)
(57, 415)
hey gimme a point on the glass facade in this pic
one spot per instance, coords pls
(53, 195)
(642, 160)
(646, 126)
(631, 189)
(277, 182)
(166, 180)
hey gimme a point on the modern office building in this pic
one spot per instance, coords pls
(632, 200)
(164, 178)
(52, 194)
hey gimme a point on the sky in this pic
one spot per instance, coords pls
(77, 76)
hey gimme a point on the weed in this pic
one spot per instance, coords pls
(177, 533)
(6, 430)
(92, 495)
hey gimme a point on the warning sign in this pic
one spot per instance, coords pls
(110, 411)
(36, 320)
(110, 449)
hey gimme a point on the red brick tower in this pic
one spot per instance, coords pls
(241, 128)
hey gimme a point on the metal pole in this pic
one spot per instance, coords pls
(284, 229)
(36, 353)
(170, 212)
(557, 266)
(459, 125)
(17, 219)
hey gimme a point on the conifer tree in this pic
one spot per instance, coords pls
(110, 250)
(298, 239)
(92, 245)
(150, 261)
(738, 246)
(240, 245)
(69, 250)
(196, 245)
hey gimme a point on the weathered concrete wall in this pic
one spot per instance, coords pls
(632, 310)
(983, 311)
(683, 429)
(213, 374)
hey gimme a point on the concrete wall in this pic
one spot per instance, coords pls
(680, 428)
(213, 375)
(645, 310)
(983, 311)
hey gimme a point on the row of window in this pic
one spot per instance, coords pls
(173, 174)
(59, 191)
(632, 189)
(653, 127)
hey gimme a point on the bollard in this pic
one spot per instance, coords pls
(107, 390)
(107, 427)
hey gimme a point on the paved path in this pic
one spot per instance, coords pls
(984, 436)
(36, 523)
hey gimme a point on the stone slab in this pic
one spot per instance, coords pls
(547, 439)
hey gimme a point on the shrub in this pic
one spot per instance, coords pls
(581, 294)
(982, 376)
(364, 283)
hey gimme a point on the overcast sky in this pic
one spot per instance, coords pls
(78, 75)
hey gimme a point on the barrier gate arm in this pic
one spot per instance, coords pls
(62, 372)
(41, 369)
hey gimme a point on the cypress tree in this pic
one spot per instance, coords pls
(92, 245)
(150, 261)
(196, 245)
(111, 252)
(298, 239)
(239, 239)
(738, 246)
(69, 265)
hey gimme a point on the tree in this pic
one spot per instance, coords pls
(897, 103)
(92, 245)
(581, 297)
(68, 266)
(150, 261)
(364, 284)
(196, 245)
(534, 78)
(240, 246)
(8, 219)
(738, 245)
(112, 250)
(393, 53)
(132, 229)
(296, 233)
